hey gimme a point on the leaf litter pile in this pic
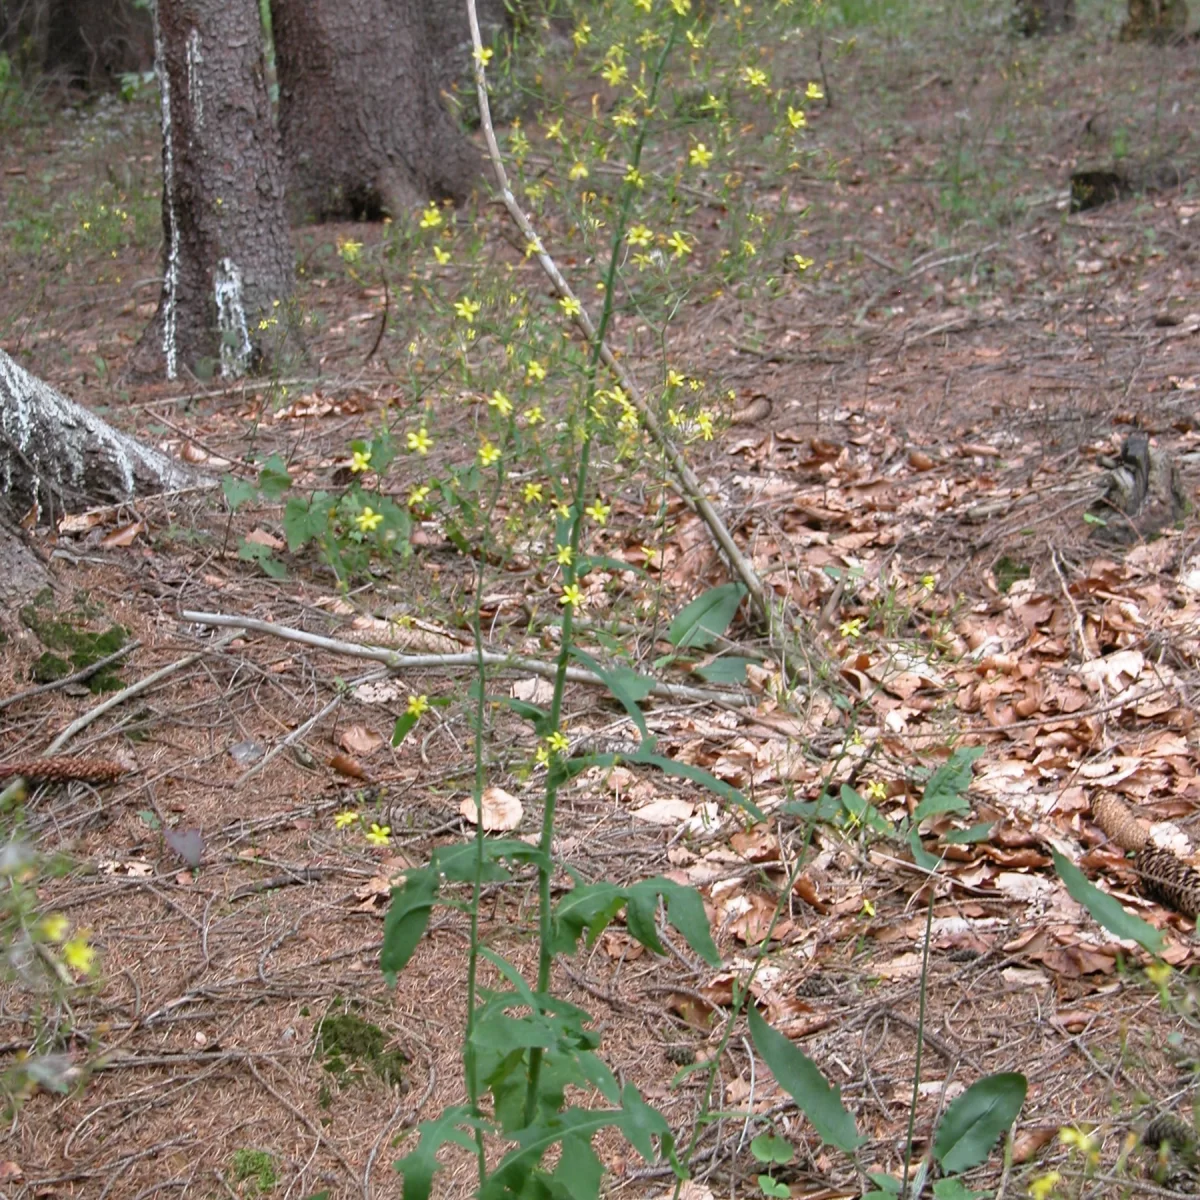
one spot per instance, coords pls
(997, 719)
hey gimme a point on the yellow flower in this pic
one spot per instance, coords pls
(852, 628)
(418, 495)
(1157, 972)
(624, 119)
(419, 440)
(557, 742)
(379, 835)
(542, 755)
(876, 790)
(368, 519)
(532, 247)
(501, 403)
(562, 510)
(644, 5)
(755, 77)
(634, 176)
(704, 423)
(467, 309)
(868, 909)
(554, 131)
(813, 92)
(417, 705)
(598, 512)
(802, 263)
(534, 415)
(1041, 1187)
(79, 954)
(639, 235)
(577, 171)
(346, 817)
(682, 7)
(443, 256)
(679, 244)
(796, 117)
(360, 461)
(350, 251)
(54, 926)
(614, 73)
(431, 218)
(929, 582)
(583, 31)
(483, 55)
(570, 306)
(700, 155)
(531, 493)
(488, 454)
(564, 555)
(535, 370)
(572, 595)
(749, 249)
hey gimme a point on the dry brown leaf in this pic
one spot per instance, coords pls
(343, 764)
(260, 537)
(501, 810)
(358, 739)
(667, 811)
(126, 535)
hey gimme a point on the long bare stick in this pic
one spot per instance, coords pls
(401, 662)
(770, 609)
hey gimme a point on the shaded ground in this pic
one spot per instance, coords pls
(933, 407)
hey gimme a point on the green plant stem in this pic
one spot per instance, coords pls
(553, 776)
(912, 1108)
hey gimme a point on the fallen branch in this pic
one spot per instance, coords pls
(469, 659)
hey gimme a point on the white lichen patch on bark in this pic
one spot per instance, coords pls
(231, 319)
(170, 296)
(195, 78)
(52, 449)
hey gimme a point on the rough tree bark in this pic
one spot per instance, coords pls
(228, 259)
(56, 456)
(364, 129)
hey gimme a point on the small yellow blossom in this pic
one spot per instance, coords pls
(350, 251)
(852, 628)
(802, 263)
(542, 755)
(79, 954)
(531, 493)
(755, 77)
(535, 370)
(583, 31)
(679, 244)
(876, 790)
(431, 218)
(418, 496)
(1041, 1187)
(1158, 973)
(54, 926)
(572, 594)
(813, 92)
(483, 55)
(554, 131)
(379, 835)
(682, 7)
(634, 177)
(796, 117)
(419, 440)
(417, 705)
(570, 306)
(675, 379)
(615, 73)
(346, 817)
(360, 461)
(368, 519)
(624, 119)
(534, 415)
(868, 909)
(644, 5)
(598, 511)
(700, 155)
(532, 247)
(488, 454)
(564, 555)
(577, 171)
(749, 249)
(443, 256)
(557, 742)
(639, 235)
(704, 422)
(929, 582)
(562, 510)
(467, 309)
(501, 403)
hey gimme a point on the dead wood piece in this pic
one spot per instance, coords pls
(1144, 494)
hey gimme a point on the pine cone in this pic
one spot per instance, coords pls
(63, 768)
(1169, 880)
(1114, 816)
(1167, 1128)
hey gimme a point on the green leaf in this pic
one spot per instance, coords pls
(273, 479)
(404, 725)
(921, 856)
(826, 808)
(685, 913)
(888, 1185)
(707, 617)
(681, 770)
(731, 670)
(976, 1119)
(798, 1075)
(769, 1187)
(944, 790)
(237, 491)
(1093, 519)
(953, 1188)
(418, 1167)
(407, 917)
(963, 837)
(771, 1148)
(539, 718)
(626, 684)
(1106, 910)
(641, 1123)
(579, 1169)
(257, 552)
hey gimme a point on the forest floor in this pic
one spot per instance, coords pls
(918, 432)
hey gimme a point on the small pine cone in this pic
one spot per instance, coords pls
(1113, 815)
(1169, 880)
(1169, 1129)
(814, 986)
(63, 768)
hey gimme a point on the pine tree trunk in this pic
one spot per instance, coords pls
(56, 456)
(228, 258)
(364, 130)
